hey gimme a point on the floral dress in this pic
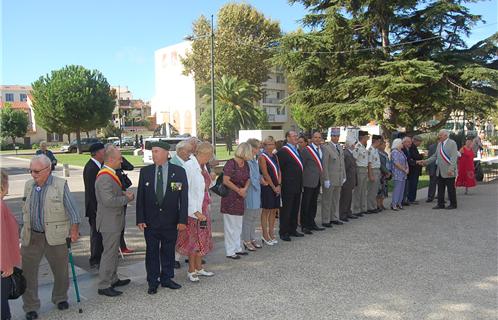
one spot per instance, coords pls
(233, 203)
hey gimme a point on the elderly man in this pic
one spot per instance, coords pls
(345, 201)
(373, 175)
(162, 205)
(44, 150)
(360, 154)
(414, 170)
(49, 216)
(111, 200)
(334, 175)
(92, 168)
(446, 158)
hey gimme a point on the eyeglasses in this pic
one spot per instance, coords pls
(38, 171)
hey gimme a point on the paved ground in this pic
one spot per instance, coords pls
(415, 264)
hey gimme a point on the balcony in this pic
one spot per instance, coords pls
(271, 101)
(277, 118)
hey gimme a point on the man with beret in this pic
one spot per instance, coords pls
(90, 172)
(360, 154)
(162, 204)
(373, 174)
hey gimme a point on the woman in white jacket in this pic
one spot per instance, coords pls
(196, 241)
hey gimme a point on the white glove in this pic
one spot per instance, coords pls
(343, 181)
(326, 184)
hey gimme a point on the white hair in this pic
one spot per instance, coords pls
(444, 132)
(109, 151)
(350, 141)
(182, 145)
(407, 139)
(396, 143)
(41, 158)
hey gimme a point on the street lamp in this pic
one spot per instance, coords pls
(211, 35)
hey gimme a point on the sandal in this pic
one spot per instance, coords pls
(248, 245)
(256, 245)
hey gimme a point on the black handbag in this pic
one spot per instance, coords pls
(219, 188)
(17, 285)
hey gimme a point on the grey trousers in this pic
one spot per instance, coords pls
(330, 204)
(360, 191)
(249, 223)
(373, 189)
(57, 257)
(108, 270)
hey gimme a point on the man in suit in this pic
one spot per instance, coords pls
(446, 157)
(162, 204)
(92, 168)
(111, 200)
(414, 170)
(360, 154)
(312, 156)
(334, 175)
(291, 166)
(407, 144)
(347, 188)
(431, 170)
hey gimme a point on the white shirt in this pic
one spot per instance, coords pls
(317, 149)
(97, 163)
(360, 153)
(374, 158)
(196, 186)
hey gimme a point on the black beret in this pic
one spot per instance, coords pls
(96, 147)
(376, 137)
(362, 133)
(161, 144)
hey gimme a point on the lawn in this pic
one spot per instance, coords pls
(423, 182)
(81, 159)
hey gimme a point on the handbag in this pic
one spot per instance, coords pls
(219, 188)
(18, 284)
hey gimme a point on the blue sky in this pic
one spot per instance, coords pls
(119, 37)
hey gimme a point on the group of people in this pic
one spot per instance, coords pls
(264, 180)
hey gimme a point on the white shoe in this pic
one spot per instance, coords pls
(192, 276)
(268, 243)
(204, 273)
(274, 241)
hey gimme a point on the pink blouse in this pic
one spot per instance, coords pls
(10, 239)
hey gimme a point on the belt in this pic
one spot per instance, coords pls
(37, 231)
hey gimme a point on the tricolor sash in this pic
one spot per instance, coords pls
(444, 155)
(272, 165)
(294, 155)
(113, 175)
(316, 156)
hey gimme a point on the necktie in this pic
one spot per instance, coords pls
(337, 148)
(159, 185)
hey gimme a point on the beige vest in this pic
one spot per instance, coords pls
(56, 221)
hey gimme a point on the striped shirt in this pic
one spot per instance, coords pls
(37, 204)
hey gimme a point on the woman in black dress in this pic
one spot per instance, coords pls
(270, 194)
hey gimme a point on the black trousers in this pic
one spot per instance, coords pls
(443, 183)
(309, 206)
(412, 187)
(122, 242)
(431, 192)
(159, 254)
(96, 246)
(6, 282)
(288, 213)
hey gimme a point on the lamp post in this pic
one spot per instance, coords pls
(213, 113)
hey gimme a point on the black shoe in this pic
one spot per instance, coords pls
(152, 290)
(31, 315)
(63, 305)
(296, 234)
(450, 207)
(177, 265)
(429, 200)
(352, 217)
(413, 202)
(285, 238)
(120, 283)
(359, 214)
(306, 231)
(110, 292)
(337, 222)
(171, 284)
(94, 266)
(242, 253)
(317, 228)
(345, 220)
(406, 204)
(234, 257)
(327, 225)
(438, 207)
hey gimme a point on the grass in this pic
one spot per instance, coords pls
(222, 153)
(423, 182)
(81, 159)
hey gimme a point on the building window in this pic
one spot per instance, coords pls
(53, 137)
(280, 78)
(280, 94)
(24, 97)
(9, 97)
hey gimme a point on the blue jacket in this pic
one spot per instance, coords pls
(253, 199)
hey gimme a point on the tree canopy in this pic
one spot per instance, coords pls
(72, 99)
(401, 63)
(13, 123)
(241, 36)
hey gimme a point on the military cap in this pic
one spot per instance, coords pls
(161, 144)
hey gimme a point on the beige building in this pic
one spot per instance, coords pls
(129, 113)
(176, 100)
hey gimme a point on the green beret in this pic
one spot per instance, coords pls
(161, 144)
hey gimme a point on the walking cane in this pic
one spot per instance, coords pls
(71, 261)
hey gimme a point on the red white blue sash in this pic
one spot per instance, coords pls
(272, 165)
(295, 156)
(444, 155)
(316, 156)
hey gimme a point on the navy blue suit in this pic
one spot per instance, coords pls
(161, 220)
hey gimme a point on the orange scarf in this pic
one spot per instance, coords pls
(113, 175)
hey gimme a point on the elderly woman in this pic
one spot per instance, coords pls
(236, 178)
(385, 171)
(10, 245)
(196, 240)
(44, 150)
(400, 171)
(252, 211)
(270, 191)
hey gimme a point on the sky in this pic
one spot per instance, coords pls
(119, 37)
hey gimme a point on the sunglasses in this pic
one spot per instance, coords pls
(38, 171)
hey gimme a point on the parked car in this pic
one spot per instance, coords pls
(86, 143)
(125, 141)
